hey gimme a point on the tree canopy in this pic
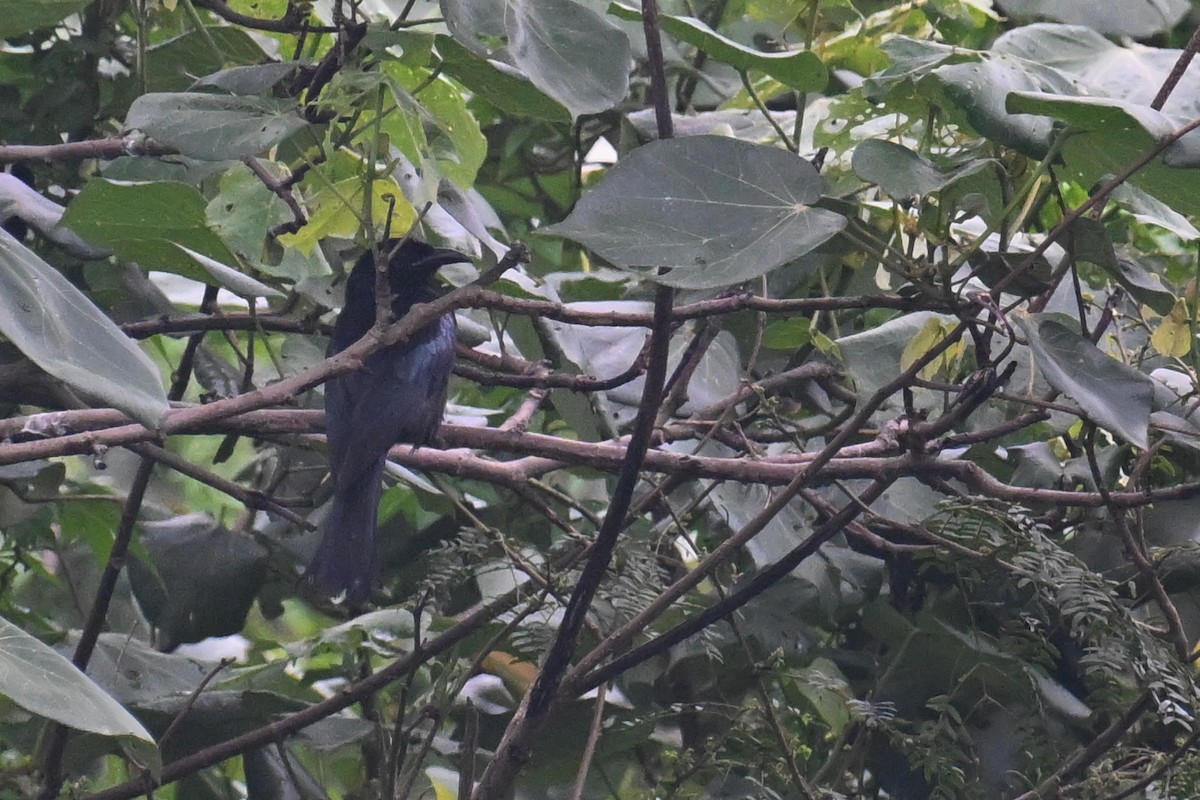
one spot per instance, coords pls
(822, 425)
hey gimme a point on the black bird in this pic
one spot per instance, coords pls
(397, 396)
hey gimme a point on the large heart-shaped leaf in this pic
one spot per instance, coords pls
(712, 211)
(60, 330)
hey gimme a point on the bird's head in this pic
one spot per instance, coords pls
(414, 263)
(411, 266)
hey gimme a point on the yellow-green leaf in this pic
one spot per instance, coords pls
(1173, 336)
(926, 339)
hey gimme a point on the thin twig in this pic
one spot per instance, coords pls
(191, 701)
(589, 747)
(404, 790)
(1177, 71)
(248, 497)
(285, 25)
(468, 752)
(282, 190)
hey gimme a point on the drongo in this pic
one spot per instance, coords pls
(398, 395)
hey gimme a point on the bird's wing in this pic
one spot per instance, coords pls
(398, 396)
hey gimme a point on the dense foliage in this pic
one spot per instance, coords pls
(822, 424)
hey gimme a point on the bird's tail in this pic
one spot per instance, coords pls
(345, 559)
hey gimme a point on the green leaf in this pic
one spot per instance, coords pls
(244, 212)
(970, 87)
(977, 90)
(1107, 135)
(336, 193)
(931, 334)
(1090, 242)
(141, 678)
(250, 80)
(61, 331)
(747, 124)
(799, 69)
(911, 59)
(392, 627)
(22, 16)
(507, 92)
(1092, 113)
(160, 226)
(565, 49)
(451, 132)
(902, 173)
(172, 65)
(1135, 18)
(230, 278)
(1113, 395)
(873, 357)
(273, 772)
(1149, 210)
(788, 334)
(826, 689)
(214, 127)
(1105, 69)
(1173, 336)
(412, 47)
(569, 52)
(45, 683)
(1143, 285)
(477, 25)
(711, 210)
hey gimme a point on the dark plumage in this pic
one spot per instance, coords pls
(397, 396)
